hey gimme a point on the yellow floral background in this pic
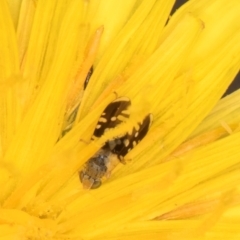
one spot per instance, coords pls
(181, 181)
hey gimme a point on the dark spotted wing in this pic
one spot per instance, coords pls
(114, 114)
(130, 140)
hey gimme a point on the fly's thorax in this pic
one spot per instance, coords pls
(101, 156)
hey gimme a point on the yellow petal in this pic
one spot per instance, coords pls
(177, 183)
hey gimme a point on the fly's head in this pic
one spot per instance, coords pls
(94, 170)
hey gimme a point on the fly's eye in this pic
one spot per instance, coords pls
(89, 183)
(81, 176)
(96, 184)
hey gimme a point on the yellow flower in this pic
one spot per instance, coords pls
(181, 181)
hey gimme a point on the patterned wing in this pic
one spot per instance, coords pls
(130, 140)
(115, 113)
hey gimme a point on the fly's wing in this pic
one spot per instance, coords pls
(115, 113)
(130, 140)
